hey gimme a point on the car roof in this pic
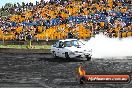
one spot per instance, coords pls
(67, 40)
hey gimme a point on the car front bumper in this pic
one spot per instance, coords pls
(80, 55)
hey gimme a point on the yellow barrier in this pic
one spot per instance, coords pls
(129, 34)
(0, 37)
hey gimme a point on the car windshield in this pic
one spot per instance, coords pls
(75, 43)
(81, 43)
(67, 44)
(72, 43)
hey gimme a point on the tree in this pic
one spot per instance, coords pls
(8, 5)
(2, 9)
(14, 5)
(18, 4)
(23, 4)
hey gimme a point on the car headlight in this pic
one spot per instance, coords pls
(76, 51)
(72, 53)
(90, 50)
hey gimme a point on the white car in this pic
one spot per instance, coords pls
(71, 48)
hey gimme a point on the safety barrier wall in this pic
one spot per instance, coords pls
(40, 42)
(25, 51)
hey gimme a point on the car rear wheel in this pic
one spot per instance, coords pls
(54, 54)
(67, 55)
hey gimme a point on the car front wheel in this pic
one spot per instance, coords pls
(88, 57)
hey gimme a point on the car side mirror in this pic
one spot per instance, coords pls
(63, 46)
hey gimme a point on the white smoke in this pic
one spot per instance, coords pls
(103, 46)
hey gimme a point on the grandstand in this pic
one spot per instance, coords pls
(55, 19)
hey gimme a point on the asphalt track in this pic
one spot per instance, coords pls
(42, 71)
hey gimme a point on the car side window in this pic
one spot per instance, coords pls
(61, 44)
(57, 44)
(54, 45)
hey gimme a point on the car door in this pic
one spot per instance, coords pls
(61, 49)
(56, 48)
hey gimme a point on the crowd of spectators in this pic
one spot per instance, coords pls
(55, 19)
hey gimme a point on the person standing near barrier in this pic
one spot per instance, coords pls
(29, 39)
(76, 35)
(70, 35)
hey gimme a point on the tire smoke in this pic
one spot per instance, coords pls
(103, 46)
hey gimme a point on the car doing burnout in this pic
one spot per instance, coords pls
(71, 48)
